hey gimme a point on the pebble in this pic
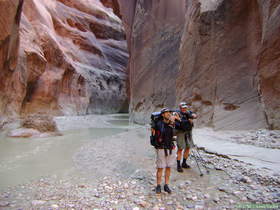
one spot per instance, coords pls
(245, 179)
(251, 197)
(188, 182)
(156, 208)
(169, 203)
(181, 186)
(194, 198)
(97, 195)
(4, 204)
(236, 192)
(206, 196)
(222, 189)
(133, 182)
(122, 196)
(70, 205)
(125, 186)
(38, 202)
(179, 207)
(199, 207)
(143, 204)
(218, 168)
(55, 206)
(231, 201)
(190, 206)
(254, 187)
(189, 197)
(244, 198)
(216, 200)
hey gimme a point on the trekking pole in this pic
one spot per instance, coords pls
(200, 157)
(201, 174)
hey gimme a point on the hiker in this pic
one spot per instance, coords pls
(162, 140)
(184, 135)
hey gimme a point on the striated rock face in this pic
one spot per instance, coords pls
(226, 62)
(269, 60)
(154, 31)
(221, 56)
(10, 13)
(229, 56)
(72, 60)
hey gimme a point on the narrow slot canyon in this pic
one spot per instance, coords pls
(85, 83)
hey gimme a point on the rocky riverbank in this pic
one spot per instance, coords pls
(117, 172)
(260, 138)
(229, 184)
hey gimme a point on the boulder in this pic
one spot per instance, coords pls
(35, 126)
(24, 133)
(42, 123)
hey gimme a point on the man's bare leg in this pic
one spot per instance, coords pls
(167, 175)
(159, 175)
(186, 153)
(179, 154)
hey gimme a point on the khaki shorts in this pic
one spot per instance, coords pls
(163, 161)
(184, 140)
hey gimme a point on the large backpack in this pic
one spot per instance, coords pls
(155, 117)
(185, 124)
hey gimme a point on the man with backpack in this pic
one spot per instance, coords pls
(184, 135)
(162, 140)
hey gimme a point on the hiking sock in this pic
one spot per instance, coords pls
(179, 168)
(184, 160)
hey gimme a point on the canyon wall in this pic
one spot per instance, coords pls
(10, 14)
(269, 61)
(220, 56)
(229, 57)
(154, 31)
(72, 59)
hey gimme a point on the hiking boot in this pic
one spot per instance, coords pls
(179, 169)
(158, 189)
(185, 165)
(167, 189)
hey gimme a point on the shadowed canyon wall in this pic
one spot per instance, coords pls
(221, 56)
(10, 14)
(72, 58)
(229, 52)
(154, 31)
